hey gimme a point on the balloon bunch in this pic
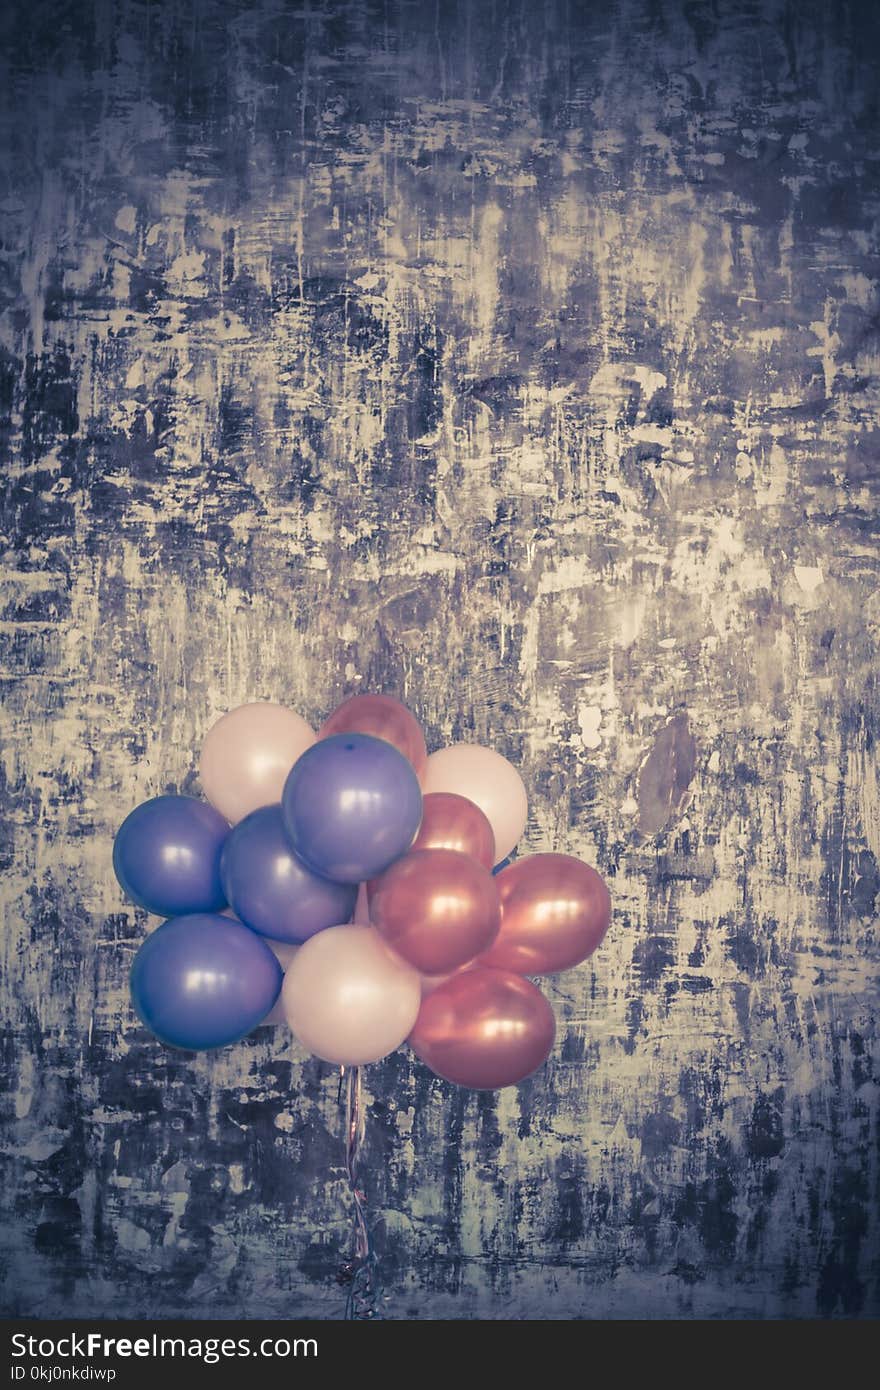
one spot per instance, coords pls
(350, 877)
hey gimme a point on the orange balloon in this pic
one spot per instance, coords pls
(484, 1028)
(436, 908)
(554, 912)
(381, 716)
(450, 821)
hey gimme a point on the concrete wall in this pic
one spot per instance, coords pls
(521, 360)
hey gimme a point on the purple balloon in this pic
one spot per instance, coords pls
(204, 981)
(271, 890)
(167, 855)
(351, 806)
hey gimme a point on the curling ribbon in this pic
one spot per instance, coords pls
(359, 1273)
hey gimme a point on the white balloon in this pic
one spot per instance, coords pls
(347, 998)
(247, 755)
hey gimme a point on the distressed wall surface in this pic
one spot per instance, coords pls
(520, 359)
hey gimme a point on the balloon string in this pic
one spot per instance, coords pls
(359, 1273)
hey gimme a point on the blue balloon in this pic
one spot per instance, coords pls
(271, 890)
(351, 806)
(167, 855)
(204, 981)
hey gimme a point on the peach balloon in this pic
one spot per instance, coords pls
(247, 755)
(381, 716)
(554, 912)
(490, 781)
(484, 1028)
(436, 908)
(450, 821)
(347, 997)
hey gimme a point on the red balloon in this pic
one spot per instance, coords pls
(450, 821)
(554, 912)
(484, 1028)
(381, 716)
(436, 908)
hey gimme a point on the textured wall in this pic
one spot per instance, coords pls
(521, 359)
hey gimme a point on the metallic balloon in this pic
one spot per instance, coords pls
(452, 822)
(203, 981)
(483, 776)
(484, 1028)
(166, 855)
(247, 755)
(271, 890)
(436, 908)
(554, 912)
(348, 998)
(351, 806)
(381, 716)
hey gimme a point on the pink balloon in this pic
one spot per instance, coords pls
(381, 716)
(347, 998)
(555, 910)
(484, 1028)
(247, 755)
(487, 779)
(437, 908)
(453, 822)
